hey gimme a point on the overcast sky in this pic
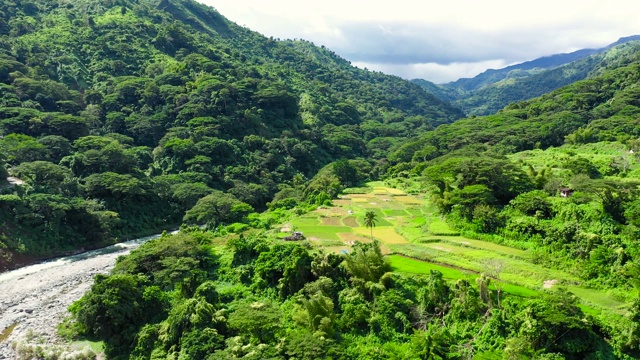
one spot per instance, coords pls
(439, 41)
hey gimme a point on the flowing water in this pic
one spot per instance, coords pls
(35, 298)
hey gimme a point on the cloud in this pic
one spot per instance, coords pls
(407, 43)
(436, 73)
(457, 37)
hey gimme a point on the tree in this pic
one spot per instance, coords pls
(116, 308)
(217, 208)
(346, 172)
(287, 267)
(259, 320)
(494, 268)
(366, 262)
(43, 175)
(465, 200)
(370, 221)
(20, 148)
(188, 194)
(3, 170)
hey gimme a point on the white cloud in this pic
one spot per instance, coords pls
(436, 73)
(456, 38)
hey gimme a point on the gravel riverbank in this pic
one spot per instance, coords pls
(35, 298)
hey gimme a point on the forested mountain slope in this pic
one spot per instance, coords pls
(496, 178)
(605, 107)
(558, 174)
(492, 90)
(119, 115)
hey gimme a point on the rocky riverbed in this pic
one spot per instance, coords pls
(34, 299)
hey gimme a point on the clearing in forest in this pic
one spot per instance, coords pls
(409, 226)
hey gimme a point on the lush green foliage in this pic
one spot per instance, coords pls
(556, 175)
(127, 117)
(603, 108)
(265, 299)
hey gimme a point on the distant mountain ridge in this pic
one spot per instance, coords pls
(494, 89)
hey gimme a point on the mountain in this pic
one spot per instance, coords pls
(556, 275)
(604, 107)
(121, 115)
(494, 89)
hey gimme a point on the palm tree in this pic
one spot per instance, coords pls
(370, 221)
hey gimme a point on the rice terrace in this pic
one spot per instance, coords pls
(417, 240)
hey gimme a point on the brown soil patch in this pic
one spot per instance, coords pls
(350, 221)
(332, 221)
(341, 202)
(338, 211)
(350, 238)
(329, 212)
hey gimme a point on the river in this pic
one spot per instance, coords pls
(34, 299)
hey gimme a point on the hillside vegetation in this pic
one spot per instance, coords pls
(122, 118)
(120, 115)
(556, 176)
(492, 90)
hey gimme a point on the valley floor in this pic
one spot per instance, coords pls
(418, 240)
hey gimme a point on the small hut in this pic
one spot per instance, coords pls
(295, 236)
(566, 192)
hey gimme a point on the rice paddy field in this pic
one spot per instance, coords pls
(417, 240)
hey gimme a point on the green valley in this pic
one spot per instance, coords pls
(324, 211)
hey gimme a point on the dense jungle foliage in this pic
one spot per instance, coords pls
(127, 117)
(257, 299)
(497, 178)
(557, 175)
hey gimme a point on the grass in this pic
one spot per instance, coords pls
(407, 200)
(380, 219)
(408, 226)
(600, 154)
(415, 211)
(485, 245)
(352, 237)
(331, 221)
(514, 270)
(322, 232)
(599, 298)
(306, 221)
(395, 192)
(358, 190)
(412, 266)
(437, 226)
(395, 212)
(6, 332)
